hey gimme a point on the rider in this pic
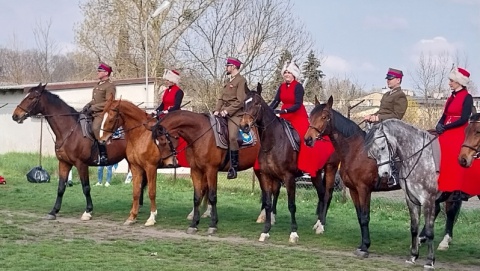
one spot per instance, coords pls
(393, 105)
(100, 94)
(230, 106)
(451, 127)
(291, 93)
(173, 95)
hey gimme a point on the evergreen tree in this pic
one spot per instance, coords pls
(313, 77)
(277, 78)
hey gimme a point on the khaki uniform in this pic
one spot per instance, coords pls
(101, 93)
(393, 105)
(231, 100)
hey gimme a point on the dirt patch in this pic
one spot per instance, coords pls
(98, 230)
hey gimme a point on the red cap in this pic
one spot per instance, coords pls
(234, 61)
(105, 67)
(464, 72)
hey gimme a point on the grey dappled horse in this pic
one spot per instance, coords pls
(394, 141)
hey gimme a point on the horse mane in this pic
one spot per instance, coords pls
(410, 129)
(342, 124)
(55, 101)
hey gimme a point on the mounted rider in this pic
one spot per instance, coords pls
(230, 106)
(393, 105)
(100, 94)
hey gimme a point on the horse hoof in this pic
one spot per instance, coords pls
(293, 238)
(360, 253)
(86, 216)
(318, 227)
(50, 217)
(129, 222)
(191, 230)
(428, 267)
(411, 260)
(150, 223)
(212, 230)
(264, 237)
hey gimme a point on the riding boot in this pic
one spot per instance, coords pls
(393, 180)
(232, 171)
(458, 195)
(102, 149)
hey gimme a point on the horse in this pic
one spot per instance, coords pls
(279, 165)
(358, 172)
(471, 145)
(72, 148)
(394, 139)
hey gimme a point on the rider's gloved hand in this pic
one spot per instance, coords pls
(440, 128)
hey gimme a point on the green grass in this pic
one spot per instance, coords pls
(28, 242)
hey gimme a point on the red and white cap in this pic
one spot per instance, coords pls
(172, 76)
(460, 76)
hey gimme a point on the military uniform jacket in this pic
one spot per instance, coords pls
(101, 93)
(393, 105)
(233, 95)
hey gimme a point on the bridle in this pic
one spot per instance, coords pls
(32, 105)
(476, 150)
(255, 118)
(320, 133)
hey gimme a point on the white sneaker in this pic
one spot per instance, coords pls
(107, 184)
(98, 184)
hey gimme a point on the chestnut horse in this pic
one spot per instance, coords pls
(279, 164)
(359, 173)
(71, 147)
(142, 154)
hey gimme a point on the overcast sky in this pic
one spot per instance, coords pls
(359, 39)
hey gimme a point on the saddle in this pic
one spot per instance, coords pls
(292, 134)
(86, 124)
(220, 130)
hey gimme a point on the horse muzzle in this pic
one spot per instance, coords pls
(19, 118)
(465, 161)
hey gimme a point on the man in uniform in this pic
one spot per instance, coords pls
(230, 105)
(393, 105)
(101, 93)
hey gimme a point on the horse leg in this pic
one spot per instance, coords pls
(291, 187)
(266, 187)
(452, 210)
(63, 170)
(276, 186)
(199, 189)
(429, 214)
(151, 173)
(142, 191)
(320, 188)
(414, 211)
(361, 200)
(137, 178)
(443, 197)
(212, 200)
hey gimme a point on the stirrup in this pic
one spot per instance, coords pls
(102, 160)
(232, 173)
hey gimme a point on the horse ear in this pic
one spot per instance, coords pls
(259, 88)
(317, 102)
(330, 102)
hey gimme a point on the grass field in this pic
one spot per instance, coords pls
(27, 242)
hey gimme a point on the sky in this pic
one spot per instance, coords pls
(358, 40)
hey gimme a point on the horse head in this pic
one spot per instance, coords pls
(379, 147)
(320, 122)
(166, 143)
(112, 119)
(471, 145)
(253, 109)
(30, 105)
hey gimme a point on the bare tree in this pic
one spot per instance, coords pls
(343, 91)
(256, 32)
(46, 51)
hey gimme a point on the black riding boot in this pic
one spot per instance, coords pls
(232, 171)
(393, 180)
(458, 195)
(102, 150)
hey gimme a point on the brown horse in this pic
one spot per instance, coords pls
(142, 154)
(359, 173)
(471, 145)
(71, 147)
(204, 157)
(279, 165)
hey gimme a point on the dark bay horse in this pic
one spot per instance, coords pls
(203, 155)
(71, 147)
(394, 139)
(279, 164)
(142, 154)
(358, 172)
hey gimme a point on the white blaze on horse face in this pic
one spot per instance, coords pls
(105, 116)
(26, 96)
(248, 100)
